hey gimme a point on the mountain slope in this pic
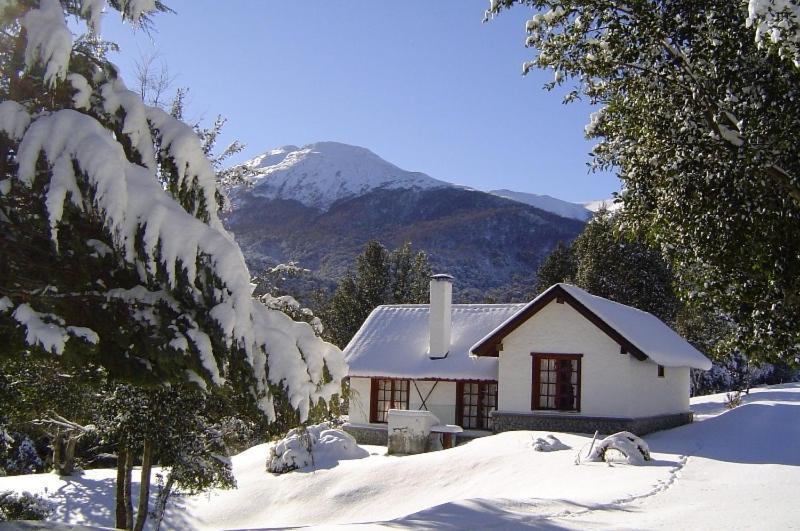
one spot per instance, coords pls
(548, 203)
(486, 242)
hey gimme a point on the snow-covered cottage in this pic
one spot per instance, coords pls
(566, 361)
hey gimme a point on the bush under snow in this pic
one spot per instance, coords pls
(633, 449)
(316, 446)
(549, 443)
(23, 506)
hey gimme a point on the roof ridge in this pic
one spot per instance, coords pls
(456, 305)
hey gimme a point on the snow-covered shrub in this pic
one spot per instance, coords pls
(733, 399)
(23, 457)
(549, 443)
(316, 446)
(634, 449)
(24, 506)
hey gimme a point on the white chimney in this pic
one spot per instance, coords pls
(439, 318)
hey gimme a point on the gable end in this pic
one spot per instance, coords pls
(489, 346)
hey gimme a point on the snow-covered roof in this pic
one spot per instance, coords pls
(393, 342)
(642, 333)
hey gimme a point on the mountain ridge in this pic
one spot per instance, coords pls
(318, 205)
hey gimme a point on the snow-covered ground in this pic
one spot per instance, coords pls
(736, 469)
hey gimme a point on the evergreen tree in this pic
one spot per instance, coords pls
(372, 276)
(420, 280)
(112, 252)
(401, 271)
(603, 262)
(623, 270)
(344, 312)
(559, 266)
(699, 113)
(381, 277)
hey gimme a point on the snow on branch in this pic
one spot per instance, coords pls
(14, 119)
(145, 176)
(47, 330)
(135, 208)
(778, 22)
(92, 12)
(178, 143)
(49, 40)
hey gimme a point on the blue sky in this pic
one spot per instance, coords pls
(423, 84)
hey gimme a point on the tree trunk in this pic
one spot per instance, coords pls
(127, 493)
(120, 514)
(64, 453)
(68, 466)
(144, 485)
(57, 452)
(163, 498)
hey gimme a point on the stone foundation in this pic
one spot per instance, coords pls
(506, 421)
(374, 435)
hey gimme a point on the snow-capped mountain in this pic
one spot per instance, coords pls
(319, 174)
(608, 204)
(545, 202)
(318, 205)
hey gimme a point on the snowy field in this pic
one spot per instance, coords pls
(736, 469)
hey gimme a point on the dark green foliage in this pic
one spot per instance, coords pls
(178, 422)
(627, 271)
(24, 506)
(608, 264)
(382, 277)
(559, 266)
(701, 124)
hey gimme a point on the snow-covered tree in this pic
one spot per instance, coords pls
(699, 112)
(111, 250)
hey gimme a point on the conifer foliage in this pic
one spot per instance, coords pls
(111, 249)
(606, 263)
(382, 277)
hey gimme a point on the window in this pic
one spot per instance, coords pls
(474, 403)
(387, 394)
(660, 371)
(556, 382)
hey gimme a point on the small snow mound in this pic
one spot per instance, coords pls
(315, 447)
(549, 443)
(633, 449)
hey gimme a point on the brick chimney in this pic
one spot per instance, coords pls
(440, 314)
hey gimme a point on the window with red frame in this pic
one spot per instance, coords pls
(556, 382)
(387, 394)
(474, 403)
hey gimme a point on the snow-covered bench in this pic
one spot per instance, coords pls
(447, 432)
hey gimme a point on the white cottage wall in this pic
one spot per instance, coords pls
(612, 384)
(560, 329)
(360, 389)
(655, 395)
(441, 402)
